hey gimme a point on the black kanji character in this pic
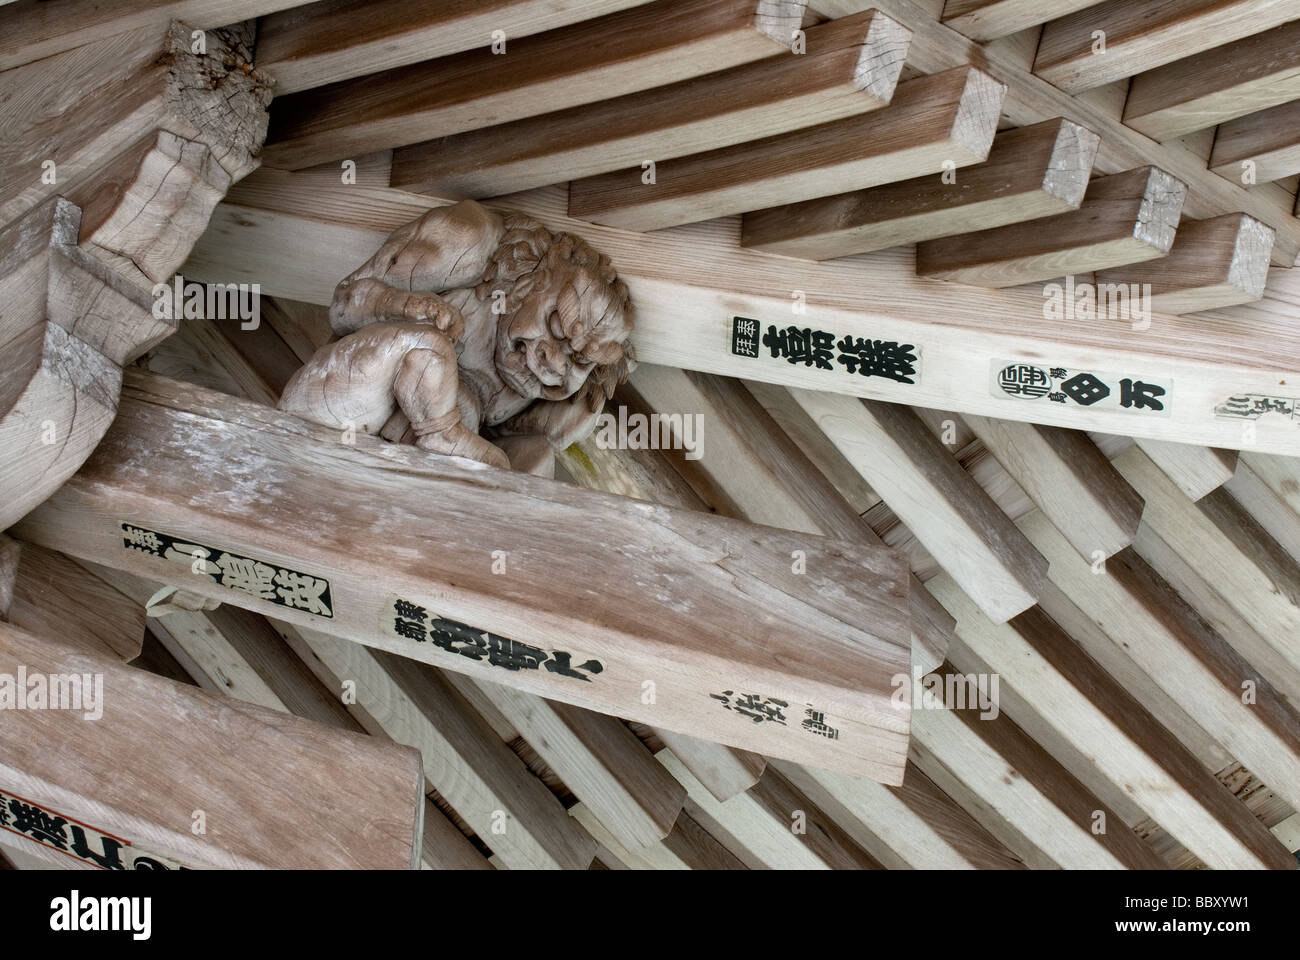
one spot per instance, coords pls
(109, 859)
(1085, 389)
(1057, 373)
(38, 824)
(511, 654)
(1024, 380)
(410, 630)
(804, 346)
(878, 358)
(1135, 393)
(405, 608)
(761, 708)
(561, 661)
(1056, 396)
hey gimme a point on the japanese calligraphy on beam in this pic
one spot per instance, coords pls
(1030, 172)
(851, 66)
(933, 123)
(703, 304)
(1125, 218)
(275, 791)
(818, 669)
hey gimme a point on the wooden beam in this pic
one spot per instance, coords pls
(1212, 264)
(464, 759)
(933, 121)
(1126, 744)
(1030, 99)
(939, 501)
(1144, 34)
(724, 772)
(1030, 172)
(810, 651)
(1221, 84)
(609, 56)
(1195, 470)
(1125, 218)
(985, 20)
(37, 29)
(1259, 147)
(913, 826)
(128, 86)
(695, 293)
(850, 67)
(260, 805)
(750, 470)
(1069, 479)
(319, 43)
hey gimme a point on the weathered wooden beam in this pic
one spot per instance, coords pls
(127, 87)
(1030, 99)
(37, 29)
(1196, 471)
(1123, 741)
(1143, 34)
(1030, 172)
(1259, 147)
(760, 826)
(266, 790)
(810, 651)
(750, 470)
(913, 826)
(1212, 264)
(1221, 84)
(325, 42)
(939, 501)
(620, 53)
(850, 67)
(1018, 791)
(1070, 481)
(931, 124)
(696, 293)
(986, 20)
(1124, 218)
(724, 772)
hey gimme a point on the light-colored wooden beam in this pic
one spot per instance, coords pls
(1033, 655)
(1030, 172)
(324, 798)
(319, 43)
(1144, 34)
(1259, 147)
(943, 506)
(850, 67)
(1125, 218)
(1070, 481)
(1030, 99)
(811, 650)
(722, 771)
(644, 46)
(1212, 264)
(1221, 84)
(1195, 470)
(986, 20)
(932, 123)
(694, 292)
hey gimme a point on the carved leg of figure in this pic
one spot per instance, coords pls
(425, 388)
(533, 454)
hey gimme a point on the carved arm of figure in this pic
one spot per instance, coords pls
(468, 320)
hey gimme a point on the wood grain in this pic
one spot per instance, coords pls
(1212, 264)
(848, 674)
(986, 20)
(1226, 82)
(620, 53)
(1266, 142)
(1125, 218)
(1030, 172)
(269, 785)
(850, 67)
(949, 117)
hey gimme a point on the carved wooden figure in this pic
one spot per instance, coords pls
(469, 320)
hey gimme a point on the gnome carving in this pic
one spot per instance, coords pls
(469, 322)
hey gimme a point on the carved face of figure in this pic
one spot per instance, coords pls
(558, 334)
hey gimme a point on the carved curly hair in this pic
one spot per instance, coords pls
(530, 255)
